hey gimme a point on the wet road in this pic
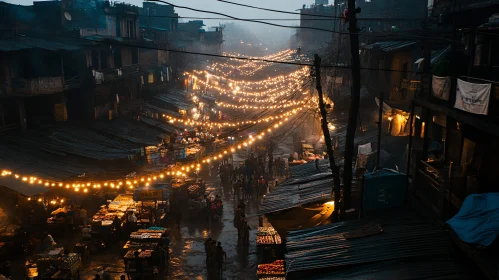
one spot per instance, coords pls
(187, 244)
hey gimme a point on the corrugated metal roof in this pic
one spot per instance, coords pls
(341, 246)
(177, 98)
(289, 196)
(22, 43)
(389, 46)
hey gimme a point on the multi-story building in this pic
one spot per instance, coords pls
(68, 60)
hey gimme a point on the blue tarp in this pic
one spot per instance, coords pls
(477, 222)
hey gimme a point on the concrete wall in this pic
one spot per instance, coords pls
(109, 30)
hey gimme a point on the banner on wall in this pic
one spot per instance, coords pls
(473, 98)
(441, 87)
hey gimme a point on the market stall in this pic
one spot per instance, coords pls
(272, 271)
(53, 264)
(152, 205)
(102, 226)
(10, 238)
(269, 244)
(149, 247)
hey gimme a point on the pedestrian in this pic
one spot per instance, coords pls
(221, 256)
(237, 189)
(317, 164)
(178, 217)
(237, 216)
(249, 187)
(242, 205)
(246, 229)
(207, 249)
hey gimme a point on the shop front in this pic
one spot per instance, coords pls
(453, 155)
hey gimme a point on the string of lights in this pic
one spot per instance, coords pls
(146, 180)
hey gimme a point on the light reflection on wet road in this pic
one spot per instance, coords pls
(188, 256)
(188, 259)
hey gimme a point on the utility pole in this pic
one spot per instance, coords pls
(271, 157)
(380, 125)
(327, 138)
(354, 105)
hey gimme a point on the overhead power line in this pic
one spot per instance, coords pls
(315, 15)
(242, 58)
(277, 11)
(383, 34)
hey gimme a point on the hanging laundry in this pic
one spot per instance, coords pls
(365, 149)
(441, 87)
(473, 98)
(99, 77)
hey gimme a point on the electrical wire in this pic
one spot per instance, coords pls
(243, 58)
(305, 27)
(313, 15)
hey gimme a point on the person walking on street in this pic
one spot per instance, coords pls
(237, 216)
(245, 229)
(207, 249)
(221, 256)
(242, 205)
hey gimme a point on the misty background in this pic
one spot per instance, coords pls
(268, 38)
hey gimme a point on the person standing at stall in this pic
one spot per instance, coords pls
(48, 241)
(132, 222)
(83, 216)
(117, 227)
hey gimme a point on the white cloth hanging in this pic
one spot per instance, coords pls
(441, 87)
(365, 149)
(473, 98)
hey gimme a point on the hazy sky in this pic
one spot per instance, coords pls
(213, 5)
(265, 32)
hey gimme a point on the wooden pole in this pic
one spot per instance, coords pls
(327, 138)
(380, 125)
(354, 105)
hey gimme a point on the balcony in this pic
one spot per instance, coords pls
(37, 86)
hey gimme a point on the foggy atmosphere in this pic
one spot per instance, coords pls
(231, 139)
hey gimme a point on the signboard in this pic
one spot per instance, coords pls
(148, 195)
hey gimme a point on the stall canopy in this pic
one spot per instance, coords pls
(337, 248)
(23, 188)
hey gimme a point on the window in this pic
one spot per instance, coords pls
(135, 55)
(103, 59)
(117, 58)
(95, 60)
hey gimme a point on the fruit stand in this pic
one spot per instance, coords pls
(269, 244)
(152, 250)
(274, 270)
